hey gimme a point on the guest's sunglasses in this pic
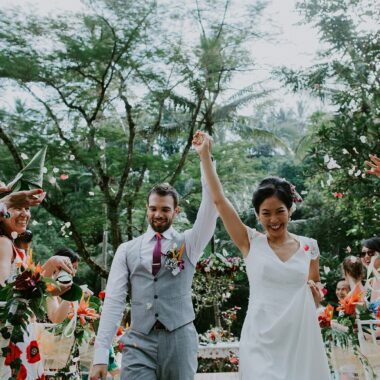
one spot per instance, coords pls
(370, 253)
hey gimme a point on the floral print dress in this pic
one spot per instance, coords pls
(31, 367)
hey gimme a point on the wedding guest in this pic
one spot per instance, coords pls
(10, 257)
(354, 273)
(370, 257)
(58, 309)
(342, 289)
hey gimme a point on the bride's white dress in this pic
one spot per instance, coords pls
(281, 338)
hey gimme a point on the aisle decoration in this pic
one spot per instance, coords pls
(340, 333)
(24, 296)
(81, 324)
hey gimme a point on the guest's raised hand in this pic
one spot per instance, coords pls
(55, 264)
(374, 165)
(202, 143)
(4, 188)
(24, 199)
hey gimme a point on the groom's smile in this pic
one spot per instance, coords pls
(161, 212)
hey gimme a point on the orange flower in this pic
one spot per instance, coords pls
(348, 304)
(85, 312)
(50, 287)
(325, 317)
(120, 331)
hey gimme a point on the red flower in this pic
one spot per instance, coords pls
(14, 354)
(64, 177)
(325, 317)
(22, 373)
(338, 195)
(102, 295)
(120, 347)
(120, 331)
(32, 352)
(324, 291)
(306, 247)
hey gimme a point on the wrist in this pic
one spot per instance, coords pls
(206, 156)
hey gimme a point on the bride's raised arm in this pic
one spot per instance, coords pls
(231, 220)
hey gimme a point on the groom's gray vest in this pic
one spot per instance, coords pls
(163, 297)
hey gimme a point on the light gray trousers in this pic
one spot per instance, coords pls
(160, 355)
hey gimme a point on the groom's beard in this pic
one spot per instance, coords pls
(160, 225)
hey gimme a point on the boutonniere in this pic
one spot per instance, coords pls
(173, 259)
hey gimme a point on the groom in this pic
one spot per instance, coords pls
(157, 268)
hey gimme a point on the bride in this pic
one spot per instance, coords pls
(281, 338)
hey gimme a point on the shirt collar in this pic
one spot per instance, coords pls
(168, 234)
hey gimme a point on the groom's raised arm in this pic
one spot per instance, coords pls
(204, 226)
(114, 304)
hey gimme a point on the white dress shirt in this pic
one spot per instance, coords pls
(196, 240)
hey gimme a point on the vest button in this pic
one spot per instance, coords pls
(156, 296)
(155, 279)
(156, 315)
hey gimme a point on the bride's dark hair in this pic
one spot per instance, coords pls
(273, 187)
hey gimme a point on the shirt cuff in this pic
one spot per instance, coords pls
(101, 356)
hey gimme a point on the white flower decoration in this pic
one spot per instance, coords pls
(363, 139)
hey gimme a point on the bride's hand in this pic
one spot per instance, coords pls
(315, 291)
(202, 143)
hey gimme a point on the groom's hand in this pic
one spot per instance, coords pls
(99, 371)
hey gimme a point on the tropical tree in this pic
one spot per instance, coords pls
(116, 96)
(339, 141)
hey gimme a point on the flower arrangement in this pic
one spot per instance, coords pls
(24, 296)
(173, 259)
(342, 330)
(221, 264)
(216, 335)
(82, 324)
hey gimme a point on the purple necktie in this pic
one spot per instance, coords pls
(157, 255)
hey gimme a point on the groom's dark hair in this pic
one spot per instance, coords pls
(163, 189)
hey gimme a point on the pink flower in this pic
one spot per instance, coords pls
(234, 360)
(338, 195)
(64, 177)
(306, 247)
